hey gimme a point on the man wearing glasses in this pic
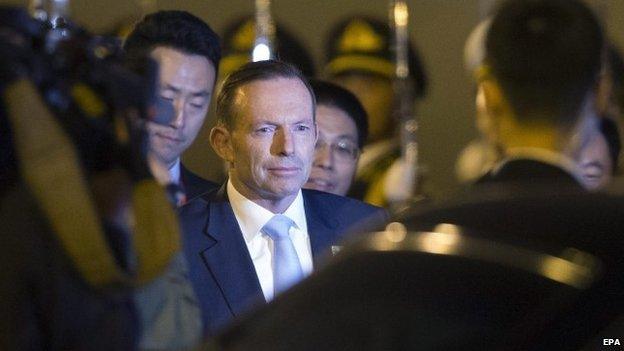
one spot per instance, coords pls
(343, 129)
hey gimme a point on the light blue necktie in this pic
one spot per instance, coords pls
(286, 266)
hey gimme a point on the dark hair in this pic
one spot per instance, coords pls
(615, 65)
(250, 72)
(179, 30)
(333, 95)
(546, 56)
(609, 130)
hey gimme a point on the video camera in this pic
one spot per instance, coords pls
(58, 56)
(87, 83)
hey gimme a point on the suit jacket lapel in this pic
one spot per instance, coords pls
(228, 259)
(193, 185)
(321, 228)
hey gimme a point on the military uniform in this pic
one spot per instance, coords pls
(238, 44)
(362, 46)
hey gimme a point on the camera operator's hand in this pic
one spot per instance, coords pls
(17, 35)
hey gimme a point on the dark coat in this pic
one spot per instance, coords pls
(220, 267)
(530, 172)
(45, 303)
(531, 204)
(194, 186)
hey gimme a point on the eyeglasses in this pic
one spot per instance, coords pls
(342, 150)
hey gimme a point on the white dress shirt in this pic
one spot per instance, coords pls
(251, 217)
(174, 172)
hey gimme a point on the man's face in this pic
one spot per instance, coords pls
(336, 154)
(376, 95)
(186, 81)
(272, 139)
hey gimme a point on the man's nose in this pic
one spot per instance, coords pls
(323, 156)
(284, 142)
(178, 121)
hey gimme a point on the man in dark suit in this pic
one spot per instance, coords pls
(260, 233)
(187, 51)
(541, 69)
(542, 65)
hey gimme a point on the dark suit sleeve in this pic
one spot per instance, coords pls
(353, 216)
(374, 220)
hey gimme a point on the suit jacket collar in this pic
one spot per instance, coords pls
(537, 169)
(321, 225)
(542, 159)
(228, 259)
(532, 173)
(194, 186)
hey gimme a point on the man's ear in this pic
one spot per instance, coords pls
(221, 141)
(316, 132)
(495, 102)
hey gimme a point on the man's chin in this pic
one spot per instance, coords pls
(283, 191)
(167, 160)
(165, 152)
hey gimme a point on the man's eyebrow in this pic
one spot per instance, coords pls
(303, 121)
(203, 93)
(347, 136)
(264, 123)
(172, 88)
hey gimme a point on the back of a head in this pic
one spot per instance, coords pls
(546, 56)
(251, 72)
(333, 95)
(179, 30)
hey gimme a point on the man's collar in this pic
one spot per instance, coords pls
(542, 155)
(252, 217)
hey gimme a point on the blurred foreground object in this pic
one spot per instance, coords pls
(522, 273)
(82, 220)
(481, 154)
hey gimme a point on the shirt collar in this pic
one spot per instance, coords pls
(252, 217)
(174, 172)
(542, 155)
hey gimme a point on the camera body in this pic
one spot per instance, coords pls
(101, 99)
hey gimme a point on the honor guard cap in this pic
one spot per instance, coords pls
(364, 45)
(238, 44)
